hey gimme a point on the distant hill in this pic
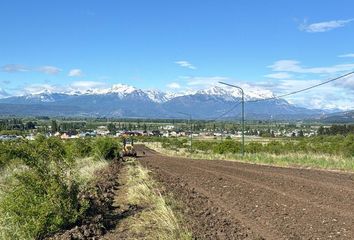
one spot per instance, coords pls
(338, 117)
(127, 101)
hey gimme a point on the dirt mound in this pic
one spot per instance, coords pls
(100, 216)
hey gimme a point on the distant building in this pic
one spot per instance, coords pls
(30, 137)
(102, 130)
(9, 137)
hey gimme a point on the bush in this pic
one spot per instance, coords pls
(42, 195)
(80, 147)
(274, 147)
(40, 207)
(107, 148)
(203, 145)
(347, 146)
(253, 147)
(173, 143)
(333, 145)
(227, 146)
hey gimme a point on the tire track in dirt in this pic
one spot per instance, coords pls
(340, 187)
(276, 203)
(286, 199)
(307, 191)
(241, 219)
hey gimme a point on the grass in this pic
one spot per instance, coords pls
(86, 167)
(159, 218)
(313, 160)
(11, 227)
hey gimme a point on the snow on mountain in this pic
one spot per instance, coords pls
(44, 95)
(41, 97)
(119, 89)
(151, 103)
(123, 90)
(231, 94)
(157, 96)
(253, 92)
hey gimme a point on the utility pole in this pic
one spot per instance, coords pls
(190, 127)
(243, 115)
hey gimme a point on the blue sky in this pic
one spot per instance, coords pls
(178, 45)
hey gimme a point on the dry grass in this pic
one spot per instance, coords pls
(158, 218)
(321, 161)
(86, 167)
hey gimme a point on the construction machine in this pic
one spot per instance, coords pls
(128, 148)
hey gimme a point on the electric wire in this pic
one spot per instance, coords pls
(283, 95)
(304, 89)
(226, 112)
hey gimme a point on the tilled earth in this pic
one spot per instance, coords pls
(101, 215)
(231, 200)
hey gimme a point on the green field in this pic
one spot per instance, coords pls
(326, 152)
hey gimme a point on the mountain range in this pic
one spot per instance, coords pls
(123, 101)
(338, 117)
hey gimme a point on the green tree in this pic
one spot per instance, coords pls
(112, 128)
(54, 126)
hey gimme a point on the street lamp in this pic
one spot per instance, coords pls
(190, 126)
(243, 115)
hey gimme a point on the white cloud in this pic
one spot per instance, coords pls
(347, 82)
(173, 85)
(285, 86)
(323, 26)
(84, 85)
(75, 73)
(286, 65)
(350, 55)
(280, 75)
(205, 81)
(40, 88)
(12, 68)
(294, 66)
(49, 70)
(327, 96)
(3, 93)
(185, 64)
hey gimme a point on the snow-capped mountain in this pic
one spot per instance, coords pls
(127, 101)
(230, 94)
(122, 91)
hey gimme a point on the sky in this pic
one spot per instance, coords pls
(180, 45)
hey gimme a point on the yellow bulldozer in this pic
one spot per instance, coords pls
(128, 148)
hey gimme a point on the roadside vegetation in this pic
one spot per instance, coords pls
(328, 152)
(159, 217)
(41, 181)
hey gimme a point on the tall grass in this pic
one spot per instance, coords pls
(40, 182)
(292, 159)
(157, 220)
(85, 169)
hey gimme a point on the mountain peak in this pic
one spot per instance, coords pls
(126, 101)
(123, 88)
(230, 93)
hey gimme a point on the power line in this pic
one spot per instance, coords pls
(283, 95)
(228, 111)
(304, 89)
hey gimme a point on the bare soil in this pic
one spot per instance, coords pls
(232, 200)
(102, 215)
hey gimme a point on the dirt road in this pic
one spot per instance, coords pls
(230, 200)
